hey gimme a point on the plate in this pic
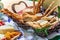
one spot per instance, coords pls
(9, 22)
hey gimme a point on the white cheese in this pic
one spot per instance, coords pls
(39, 21)
(43, 23)
(38, 14)
(51, 16)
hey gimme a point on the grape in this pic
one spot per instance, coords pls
(42, 10)
(54, 13)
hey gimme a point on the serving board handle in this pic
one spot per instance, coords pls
(13, 6)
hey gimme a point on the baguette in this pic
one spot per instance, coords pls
(49, 7)
(51, 10)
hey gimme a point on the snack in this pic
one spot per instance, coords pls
(5, 28)
(8, 33)
(44, 24)
(12, 35)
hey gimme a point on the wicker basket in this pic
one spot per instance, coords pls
(24, 26)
